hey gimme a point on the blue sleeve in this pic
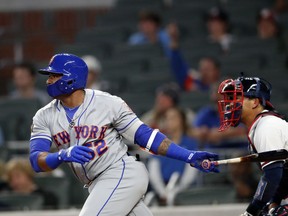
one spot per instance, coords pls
(179, 67)
(36, 147)
(201, 117)
(143, 137)
(136, 38)
(267, 187)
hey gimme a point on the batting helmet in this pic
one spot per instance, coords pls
(74, 73)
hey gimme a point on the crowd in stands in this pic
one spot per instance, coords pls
(190, 74)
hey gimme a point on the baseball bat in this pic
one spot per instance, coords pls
(280, 154)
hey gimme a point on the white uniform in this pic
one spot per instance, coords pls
(116, 181)
(268, 133)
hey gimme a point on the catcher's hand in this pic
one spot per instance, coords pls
(78, 154)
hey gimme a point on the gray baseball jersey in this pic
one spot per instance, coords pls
(103, 122)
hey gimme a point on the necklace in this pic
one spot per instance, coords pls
(70, 113)
(72, 121)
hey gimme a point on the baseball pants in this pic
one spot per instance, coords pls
(119, 190)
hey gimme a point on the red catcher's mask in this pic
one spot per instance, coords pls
(230, 106)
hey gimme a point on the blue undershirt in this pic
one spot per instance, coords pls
(70, 112)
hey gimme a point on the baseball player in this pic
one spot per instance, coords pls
(247, 100)
(90, 129)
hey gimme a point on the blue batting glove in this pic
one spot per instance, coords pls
(78, 154)
(199, 156)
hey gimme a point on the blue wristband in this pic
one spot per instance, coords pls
(52, 160)
(179, 153)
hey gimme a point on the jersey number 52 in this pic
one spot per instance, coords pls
(99, 147)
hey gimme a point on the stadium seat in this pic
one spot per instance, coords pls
(160, 64)
(77, 194)
(140, 102)
(147, 83)
(137, 4)
(195, 100)
(195, 4)
(97, 49)
(252, 45)
(199, 47)
(132, 66)
(110, 35)
(18, 202)
(117, 72)
(58, 186)
(16, 117)
(206, 195)
(126, 51)
(249, 64)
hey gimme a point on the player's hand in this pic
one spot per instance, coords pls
(199, 157)
(78, 154)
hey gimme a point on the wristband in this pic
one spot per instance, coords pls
(179, 153)
(53, 160)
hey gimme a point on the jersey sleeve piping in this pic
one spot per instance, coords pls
(41, 136)
(126, 125)
(93, 94)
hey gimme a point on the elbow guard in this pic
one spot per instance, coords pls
(148, 138)
(36, 147)
(34, 161)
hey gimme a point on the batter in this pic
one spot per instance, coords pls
(90, 129)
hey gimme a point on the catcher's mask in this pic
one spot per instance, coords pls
(230, 106)
(233, 93)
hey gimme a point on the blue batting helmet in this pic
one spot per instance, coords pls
(74, 73)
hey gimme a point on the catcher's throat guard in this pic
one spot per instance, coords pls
(230, 106)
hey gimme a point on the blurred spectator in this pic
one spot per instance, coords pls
(188, 79)
(168, 176)
(207, 122)
(244, 179)
(3, 183)
(167, 96)
(267, 24)
(280, 6)
(268, 27)
(217, 22)
(4, 187)
(150, 31)
(24, 78)
(20, 177)
(94, 76)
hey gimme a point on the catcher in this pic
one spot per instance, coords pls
(247, 100)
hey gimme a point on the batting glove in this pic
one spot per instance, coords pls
(78, 154)
(199, 156)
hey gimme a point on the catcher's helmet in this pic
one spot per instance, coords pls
(234, 91)
(254, 87)
(74, 73)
